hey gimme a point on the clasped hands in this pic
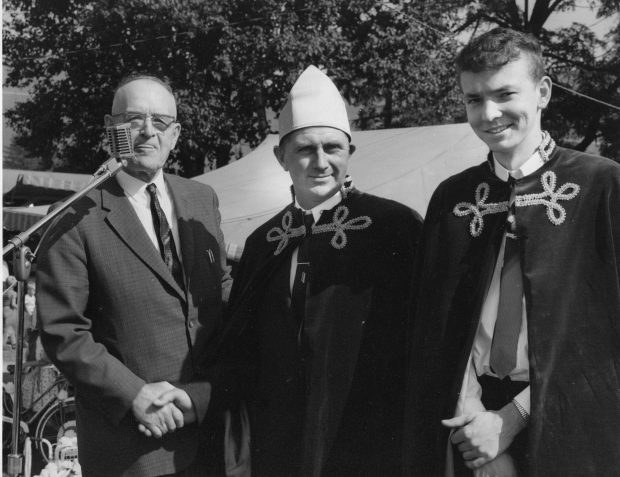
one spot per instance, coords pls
(483, 437)
(161, 408)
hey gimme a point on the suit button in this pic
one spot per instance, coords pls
(191, 323)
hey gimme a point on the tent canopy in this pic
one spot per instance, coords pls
(404, 164)
(46, 179)
(28, 194)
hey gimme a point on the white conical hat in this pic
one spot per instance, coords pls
(314, 100)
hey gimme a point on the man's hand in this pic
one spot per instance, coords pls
(482, 436)
(181, 400)
(501, 466)
(155, 420)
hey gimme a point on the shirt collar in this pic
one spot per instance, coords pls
(135, 188)
(325, 205)
(530, 166)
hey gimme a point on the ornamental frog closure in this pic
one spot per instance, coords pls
(549, 197)
(339, 225)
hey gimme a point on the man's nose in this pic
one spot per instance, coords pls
(321, 159)
(490, 111)
(147, 128)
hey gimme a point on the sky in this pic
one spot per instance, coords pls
(581, 14)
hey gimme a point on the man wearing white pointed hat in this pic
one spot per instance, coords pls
(319, 307)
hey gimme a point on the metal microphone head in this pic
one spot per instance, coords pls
(119, 138)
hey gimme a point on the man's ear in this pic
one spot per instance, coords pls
(107, 120)
(279, 153)
(544, 91)
(176, 133)
(351, 149)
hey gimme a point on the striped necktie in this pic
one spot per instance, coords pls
(503, 357)
(165, 239)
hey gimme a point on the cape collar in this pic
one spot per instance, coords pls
(292, 229)
(543, 151)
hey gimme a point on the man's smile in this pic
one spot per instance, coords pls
(497, 129)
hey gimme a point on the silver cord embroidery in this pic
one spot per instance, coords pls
(285, 233)
(546, 147)
(550, 197)
(555, 212)
(479, 209)
(339, 226)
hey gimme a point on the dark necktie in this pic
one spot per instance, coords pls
(302, 273)
(503, 357)
(164, 237)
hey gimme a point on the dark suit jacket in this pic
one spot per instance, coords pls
(113, 318)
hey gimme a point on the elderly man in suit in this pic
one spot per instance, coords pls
(131, 284)
(319, 309)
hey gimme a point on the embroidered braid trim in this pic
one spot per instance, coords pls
(479, 209)
(546, 147)
(285, 233)
(549, 198)
(339, 226)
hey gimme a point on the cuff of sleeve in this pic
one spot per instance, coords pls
(524, 414)
(123, 407)
(523, 398)
(200, 394)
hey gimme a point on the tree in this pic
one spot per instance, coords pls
(576, 61)
(232, 62)
(229, 62)
(400, 72)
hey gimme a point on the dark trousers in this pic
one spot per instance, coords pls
(496, 393)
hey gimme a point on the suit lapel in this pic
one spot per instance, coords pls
(123, 219)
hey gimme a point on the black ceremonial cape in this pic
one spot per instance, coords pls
(345, 417)
(568, 218)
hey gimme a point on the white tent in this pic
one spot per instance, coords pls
(402, 164)
(52, 180)
(21, 218)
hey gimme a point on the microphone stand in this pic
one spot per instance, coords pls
(22, 263)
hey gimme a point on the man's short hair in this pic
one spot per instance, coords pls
(143, 76)
(498, 47)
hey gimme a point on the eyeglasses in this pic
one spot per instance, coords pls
(161, 122)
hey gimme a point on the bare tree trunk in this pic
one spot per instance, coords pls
(540, 14)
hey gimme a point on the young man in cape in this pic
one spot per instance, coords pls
(319, 307)
(516, 353)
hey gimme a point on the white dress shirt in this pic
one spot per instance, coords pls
(140, 200)
(316, 212)
(478, 365)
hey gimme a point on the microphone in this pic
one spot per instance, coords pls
(121, 148)
(121, 144)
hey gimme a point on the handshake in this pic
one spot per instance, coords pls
(161, 408)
